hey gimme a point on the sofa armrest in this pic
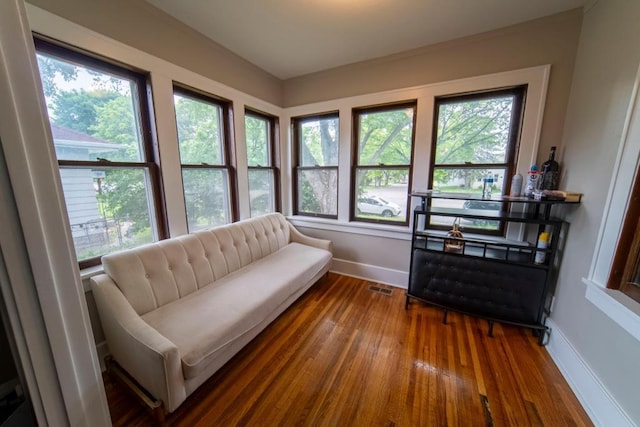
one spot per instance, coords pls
(298, 237)
(148, 356)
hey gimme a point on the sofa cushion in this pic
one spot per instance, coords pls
(153, 275)
(235, 304)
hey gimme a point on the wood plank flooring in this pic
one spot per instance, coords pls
(344, 355)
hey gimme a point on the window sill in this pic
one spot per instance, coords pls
(87, 273)
(619, 307)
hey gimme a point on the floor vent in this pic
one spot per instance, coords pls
(383, 291)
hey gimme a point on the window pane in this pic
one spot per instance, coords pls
(385, 137)
(93, 114)
(261, 191)
(382, 194)
(319, 142)
(318, 191)
(467, 180)
(109, 209)
(477, 206)
(200, 131)
(206, 196)
(257, 136)
(475, 131)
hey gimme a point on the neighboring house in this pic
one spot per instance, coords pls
(89, 226)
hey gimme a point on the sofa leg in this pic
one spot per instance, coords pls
(149, 402)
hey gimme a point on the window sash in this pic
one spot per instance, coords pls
(254, 209)
(511, 148)
(359, 165)
(271, 165)
(319, 198)
(626, 262)
(399, 108)
(147, 155)
(268, 140)
(388, 213)
(208, 205)
(223, 116)
(299, 167)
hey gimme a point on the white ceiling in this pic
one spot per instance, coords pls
(290, 38)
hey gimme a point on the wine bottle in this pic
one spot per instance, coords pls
(550, 172)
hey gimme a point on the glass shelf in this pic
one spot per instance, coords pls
(518, 253)
(494, 215)
(494, 198)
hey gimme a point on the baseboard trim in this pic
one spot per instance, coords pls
(593, 395)
(373, 273)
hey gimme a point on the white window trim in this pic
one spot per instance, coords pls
(47, 308)
(536, 79)
(615, 304)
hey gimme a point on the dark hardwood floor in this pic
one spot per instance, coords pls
(344, 355)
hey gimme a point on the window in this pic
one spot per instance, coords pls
(99, 120)
(625, 272)
(476, 138)
(207, 175)
(382, 157)
(316, 141)
(264, 182)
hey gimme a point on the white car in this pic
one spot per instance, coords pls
(377, 206)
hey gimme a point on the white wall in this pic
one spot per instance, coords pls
(603, 82)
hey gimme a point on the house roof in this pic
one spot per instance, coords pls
(63, 136)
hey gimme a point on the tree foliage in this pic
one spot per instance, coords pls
(49, 69)
(385, 138)
(319, 147)
(109, 116)
(199, 131)
(471, 132)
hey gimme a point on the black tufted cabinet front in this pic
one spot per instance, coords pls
(492, 289)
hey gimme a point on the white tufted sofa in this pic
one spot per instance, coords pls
(175, 311)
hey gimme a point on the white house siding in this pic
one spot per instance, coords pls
(80, 195)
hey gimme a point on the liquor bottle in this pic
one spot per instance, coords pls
(550, 172)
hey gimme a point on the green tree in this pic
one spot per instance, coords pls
(109, 116)
(257, 137)
(200, 140)
(385, 137)
(319, 147)
(471, 132)
(199, 132)
(77, 109)
(49, 69)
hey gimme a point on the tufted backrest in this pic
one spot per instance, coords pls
(153, 275)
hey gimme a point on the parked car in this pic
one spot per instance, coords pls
(375, 205)
(482, 205)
